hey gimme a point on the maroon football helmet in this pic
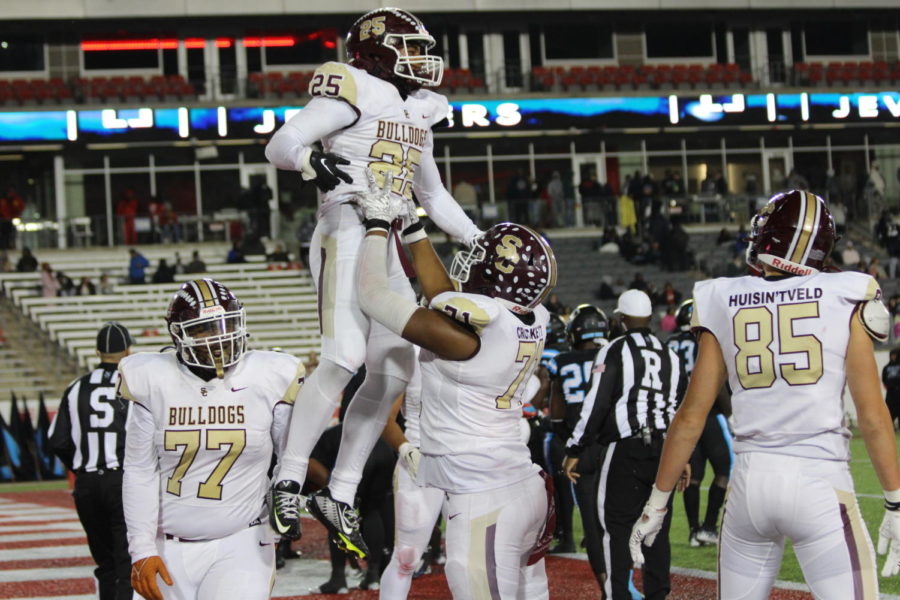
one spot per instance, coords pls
(207, 324)
(392, 43)
(794, 232)
(508, 262)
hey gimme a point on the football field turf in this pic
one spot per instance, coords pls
(871, 504)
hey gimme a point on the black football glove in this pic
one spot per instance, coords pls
(322, 168)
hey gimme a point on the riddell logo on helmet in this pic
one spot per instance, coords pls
(791, 268)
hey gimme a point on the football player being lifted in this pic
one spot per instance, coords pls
(787, 343)
(205, 422)
(372, 112)
(479, 345)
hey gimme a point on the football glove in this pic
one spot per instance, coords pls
(889, 542)
(409, 458)
(380, 205)
(322, 168)
(649, 525)
(413, 228)
(143, 577)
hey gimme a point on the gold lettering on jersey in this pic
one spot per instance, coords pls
(206, 415)
(402, 132)
(775, 297)
(508, 253)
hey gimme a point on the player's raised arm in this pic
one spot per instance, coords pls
(437, 201)
(430, 271)
(291, 148)
(424, 327)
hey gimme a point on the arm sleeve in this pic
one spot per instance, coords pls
(598, 402)
(376, 299)
(140, 484)
(60, 434)
(320, 118)
(281, 422)
(437, 201)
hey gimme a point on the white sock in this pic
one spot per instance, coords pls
(313, 409)
(363, 425)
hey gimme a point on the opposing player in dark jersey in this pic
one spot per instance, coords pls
(587, 331)
(714, 444)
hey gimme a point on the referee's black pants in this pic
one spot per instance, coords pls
(627, 473)
(586, 495)
(98, 500)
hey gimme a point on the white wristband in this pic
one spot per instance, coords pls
(658, 499)
(415, 236)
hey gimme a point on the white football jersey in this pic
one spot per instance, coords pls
(390, 133)
(213, 439)
(785, 344)
(472, 409)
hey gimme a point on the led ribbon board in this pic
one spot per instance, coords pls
(665, 112)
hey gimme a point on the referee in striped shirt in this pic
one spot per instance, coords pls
(88, 435)
(637, 384)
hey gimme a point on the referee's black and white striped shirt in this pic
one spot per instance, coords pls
(637, 382)
(88, 431)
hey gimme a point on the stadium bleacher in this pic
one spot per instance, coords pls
(280, 303)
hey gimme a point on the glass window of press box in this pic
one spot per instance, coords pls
(21, 53)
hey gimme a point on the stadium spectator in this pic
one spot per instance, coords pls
(832, 192)
(278, 255)
(126, 210)
(66, 285)
(796, 181)
(555, 305)
(165, 273)
(85, 287)
(179, 266)
(890, 377)
(196, 265)
(88, 436)
(667, 323)
(556, 201)
(27, 263)
(673, 185)
(638, 282)
(591, 192)
(627, 215)
(725, 237)
(236, 254)
(137, 265)
(669, 296)
(169, 229)
(741, 240)
(850, 257)
(106, 286)
(679, 242)
(6, 265)
(875, 269)
(518, 192)
(49, 283)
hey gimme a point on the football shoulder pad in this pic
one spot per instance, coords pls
(335, 80)
(875, 319)
(473, 310)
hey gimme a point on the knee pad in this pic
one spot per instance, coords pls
(407, 560)
(330, 379)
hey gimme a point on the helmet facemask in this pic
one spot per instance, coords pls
(413, 61)
(461, 267)
(215, 340)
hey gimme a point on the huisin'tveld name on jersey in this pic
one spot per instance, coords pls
(206, 415)
(401, 132)
(776, 297)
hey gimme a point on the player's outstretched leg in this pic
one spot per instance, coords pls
(341, 520)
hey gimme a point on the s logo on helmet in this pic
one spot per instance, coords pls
(508, 253)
